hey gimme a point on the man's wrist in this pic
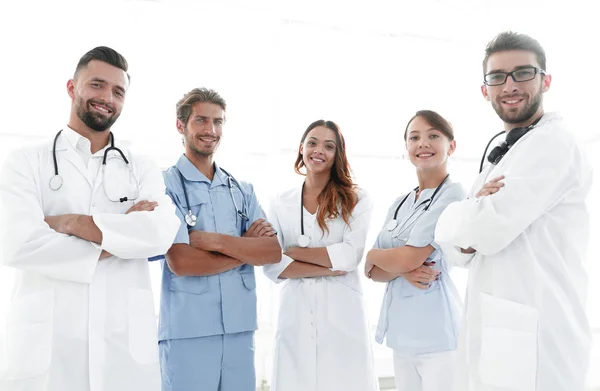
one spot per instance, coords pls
(70, 224)
(216, 242)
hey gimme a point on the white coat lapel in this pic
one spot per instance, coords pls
(65, 153)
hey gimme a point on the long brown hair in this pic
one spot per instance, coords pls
(340, 193)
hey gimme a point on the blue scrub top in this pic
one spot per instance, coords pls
(413, 320)
(208, 305)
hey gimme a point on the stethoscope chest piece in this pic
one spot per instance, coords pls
(56, 182)
(391, 225)
(190, 218)
(303, 241)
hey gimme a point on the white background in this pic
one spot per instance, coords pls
(367, 65)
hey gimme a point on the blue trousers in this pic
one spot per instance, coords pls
(214, 363)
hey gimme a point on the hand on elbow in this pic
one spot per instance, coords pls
(260, 228)
(143, 206)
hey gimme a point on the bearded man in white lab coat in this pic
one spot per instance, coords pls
(523, 234)
(82, 314)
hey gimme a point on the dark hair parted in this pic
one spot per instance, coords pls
(104, 54)
(510, 40)
(340, 193)
(184, 106)
(435, 120)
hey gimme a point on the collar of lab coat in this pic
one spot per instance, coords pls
(549, 118)
(191, 173)
(546, 119)
(70, 138)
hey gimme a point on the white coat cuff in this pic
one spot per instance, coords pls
(274, 270)
(455, 257)
(337, 256)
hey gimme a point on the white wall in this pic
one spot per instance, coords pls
(282, 64)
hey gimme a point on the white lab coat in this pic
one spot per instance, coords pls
(322, 340)
(76, 323)
(526, 327)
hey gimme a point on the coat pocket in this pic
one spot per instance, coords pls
(508, 344)
(346, 310)
(197, 285)
(249, 281)
(30, 333)
(143, 337)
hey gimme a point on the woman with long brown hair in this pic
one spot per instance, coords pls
(322, 340)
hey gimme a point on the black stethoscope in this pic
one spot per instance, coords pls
(511, 138)
(191, 219)
(303, 240)
(392, 224)
(56, 181)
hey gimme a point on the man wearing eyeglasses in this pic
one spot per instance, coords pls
(523, 234)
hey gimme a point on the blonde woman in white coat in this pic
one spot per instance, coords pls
(322, 340)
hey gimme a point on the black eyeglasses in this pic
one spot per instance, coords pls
(518, 75)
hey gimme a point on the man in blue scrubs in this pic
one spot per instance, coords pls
(208, 299)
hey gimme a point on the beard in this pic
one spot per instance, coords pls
(93, 120)
(520, 116)
(189, 141)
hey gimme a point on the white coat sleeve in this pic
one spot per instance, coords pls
(347, 254)
(141, 234)
(422, 232)
(28, 243)
(274, 270)
(537, 176)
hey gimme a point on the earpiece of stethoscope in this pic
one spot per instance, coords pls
(486, 149)
(303, 240)
(190, 218)
(511, 138)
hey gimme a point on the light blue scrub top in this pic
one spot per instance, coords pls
(209, 305)
(413, 320)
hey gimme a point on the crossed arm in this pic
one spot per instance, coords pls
(84, 227)
(409, 262)
(384, 265)
(309, 262)
(211, 253)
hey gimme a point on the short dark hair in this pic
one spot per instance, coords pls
(435, 120)
(104, 54)
(509, 40)
(184, 106)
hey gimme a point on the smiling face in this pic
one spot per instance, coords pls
(203, 130)
(319, 150)
(516, 103)
(98, 93)
(427, 147)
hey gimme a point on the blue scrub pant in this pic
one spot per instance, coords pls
(214, 363)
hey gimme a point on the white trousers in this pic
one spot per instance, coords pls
(424, 372)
